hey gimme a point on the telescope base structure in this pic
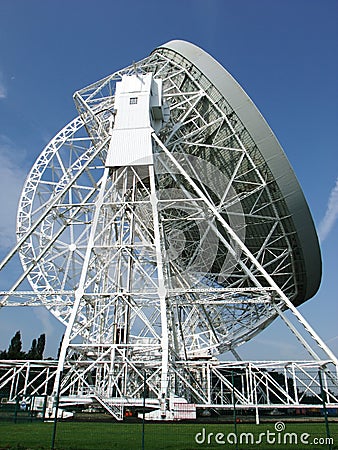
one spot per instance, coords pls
(164, 227)
(214, 385)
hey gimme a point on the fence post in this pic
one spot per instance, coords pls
(324, 408)
(234, 405)
(144, 405)
(16, 409)
(56, 412)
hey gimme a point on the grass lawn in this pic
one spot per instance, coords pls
(128, 436)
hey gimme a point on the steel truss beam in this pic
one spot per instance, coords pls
(155, 270)
(251, 385)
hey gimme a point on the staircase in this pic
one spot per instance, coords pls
(115, 411)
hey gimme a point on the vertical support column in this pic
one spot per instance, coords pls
(255, 395)
(162, 293)
(295, 391)
(257, 415)
(251, 388)
(46, 382)
(209, 382)
(286, 384)
(26, 378)
(12, 384)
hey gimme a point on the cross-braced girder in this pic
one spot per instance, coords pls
(250, 385)
(175, 260)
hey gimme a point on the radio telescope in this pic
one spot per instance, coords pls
(163, 227)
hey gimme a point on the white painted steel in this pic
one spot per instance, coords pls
(164, 227)
(137, 111)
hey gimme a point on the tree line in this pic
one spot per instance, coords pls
(15, 348)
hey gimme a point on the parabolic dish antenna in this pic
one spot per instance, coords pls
(164, 223)
(223, 143)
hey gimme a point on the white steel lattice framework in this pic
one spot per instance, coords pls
(163, 227)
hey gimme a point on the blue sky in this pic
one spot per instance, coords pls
(282, 52)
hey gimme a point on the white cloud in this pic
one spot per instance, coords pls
(331, 214)
(45, 318)
(11, 181)
(3, 89)
(3, 92)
